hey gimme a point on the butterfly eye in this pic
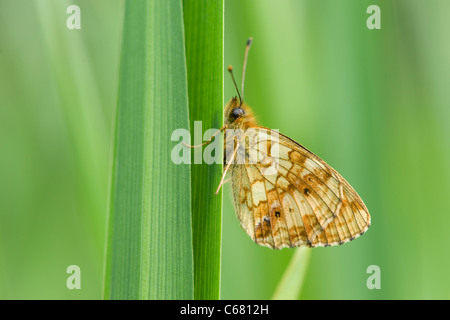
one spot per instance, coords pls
(236, 113)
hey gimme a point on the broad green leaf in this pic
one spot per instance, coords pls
(149, 253)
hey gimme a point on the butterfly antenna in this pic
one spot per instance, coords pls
(230, 69)
(247, 48)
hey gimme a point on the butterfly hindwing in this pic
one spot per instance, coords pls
(285, 196)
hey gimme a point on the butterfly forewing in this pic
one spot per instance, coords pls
(285, 196)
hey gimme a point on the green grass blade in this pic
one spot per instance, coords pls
(291, 283)
(203, 23)
(149, 253)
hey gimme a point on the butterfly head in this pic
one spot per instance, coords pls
(237, 113)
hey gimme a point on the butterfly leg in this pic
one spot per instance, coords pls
(210, 139)
(227, 167)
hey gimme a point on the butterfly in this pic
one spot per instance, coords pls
(284, 195)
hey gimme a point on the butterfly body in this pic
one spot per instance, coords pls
(284, 195)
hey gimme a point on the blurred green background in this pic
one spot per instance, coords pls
(374, 104)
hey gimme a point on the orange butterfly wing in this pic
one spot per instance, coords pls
(286, 196)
